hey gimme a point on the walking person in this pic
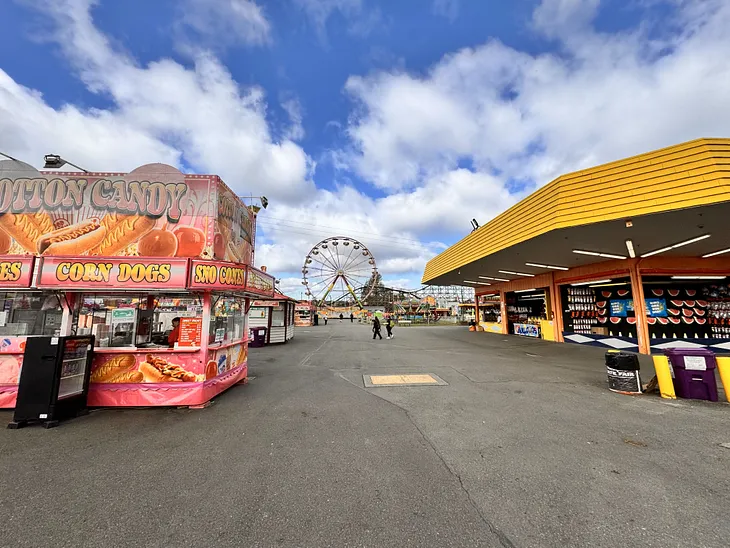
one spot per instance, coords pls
(389, 327)
(325, 318)
(352, 317)
(341, 316)
(376, 328)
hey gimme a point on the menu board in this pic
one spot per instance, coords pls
(190, 330)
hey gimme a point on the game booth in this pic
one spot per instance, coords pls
(154, 264)
(304, 312)
(276, 315)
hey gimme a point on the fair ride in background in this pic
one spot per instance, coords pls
(339, 271)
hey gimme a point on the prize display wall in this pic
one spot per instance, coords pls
(687, 313)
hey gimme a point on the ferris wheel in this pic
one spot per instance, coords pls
(339, 269)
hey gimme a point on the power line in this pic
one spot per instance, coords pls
(308, 225)
(308, 232)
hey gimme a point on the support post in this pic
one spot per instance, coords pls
(557, 309)
(642, 325)
(476, 311)
(503, 312)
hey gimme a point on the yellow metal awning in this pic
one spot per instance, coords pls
(669, 195)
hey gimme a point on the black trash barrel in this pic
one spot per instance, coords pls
(622, 369)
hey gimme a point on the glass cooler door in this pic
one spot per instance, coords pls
(74, 359)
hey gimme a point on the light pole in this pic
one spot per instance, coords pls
(9, 157)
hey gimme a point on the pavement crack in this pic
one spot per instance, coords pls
(503, 539)
(305, 360)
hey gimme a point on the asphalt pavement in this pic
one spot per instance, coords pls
(524, 446)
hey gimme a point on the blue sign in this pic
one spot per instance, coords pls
(527, 330)
(656, 308)
(620, 307)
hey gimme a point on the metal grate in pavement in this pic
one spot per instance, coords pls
(423, 379)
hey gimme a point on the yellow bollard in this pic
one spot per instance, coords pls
(723, 365)
(664, 377)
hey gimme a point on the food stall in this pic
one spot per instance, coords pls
(527, 313)
(277, 316)
(490, 313)
(304, 312)
(154, 263)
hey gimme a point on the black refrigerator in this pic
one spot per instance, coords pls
(54, 379)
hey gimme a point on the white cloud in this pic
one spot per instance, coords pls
(361, 21)
(561, 18)
(228, 22)
(533, 117)
(292, 287)
(293, 108)
(198, 116)
(446, 8)
(395, 228)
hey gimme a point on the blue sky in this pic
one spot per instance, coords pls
(393, 122)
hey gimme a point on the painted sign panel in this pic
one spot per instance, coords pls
(214, 275)
(16, 271)
(234, 224)
(260, 282)
(137, 368)
(153, 211)
(131, 273)
(527, 330)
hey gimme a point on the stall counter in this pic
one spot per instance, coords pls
(491, 327)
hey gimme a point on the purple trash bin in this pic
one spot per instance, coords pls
(694, 373)
(258, 338)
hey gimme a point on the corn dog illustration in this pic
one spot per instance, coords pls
(26, 228)
(121, 231)
(76, 239)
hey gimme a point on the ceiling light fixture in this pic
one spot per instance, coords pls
(699, 277)
(597, 254)
(714, 253)
(476, 283)
(516, 273)
(675, 246)
(494, 279)
(610, 285)
(592, 282)
(630, 248)
(538, 265)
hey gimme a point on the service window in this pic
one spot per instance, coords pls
(134, 320)
(227, 320)
(278, 315)
(30, 313)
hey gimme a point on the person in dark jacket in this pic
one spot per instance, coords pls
(389, 327)
(341, 316)
(376, 328)
(352, 317)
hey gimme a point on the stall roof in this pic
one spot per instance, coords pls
(278, 297)
(669, 195)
